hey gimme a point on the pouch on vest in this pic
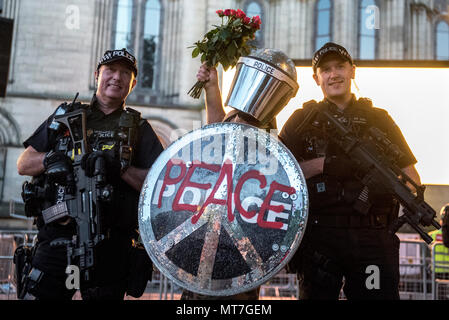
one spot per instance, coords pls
(324, 191)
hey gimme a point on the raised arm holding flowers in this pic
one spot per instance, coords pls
(226, 43)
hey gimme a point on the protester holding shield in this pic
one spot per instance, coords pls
(238, 253)
(276, 86)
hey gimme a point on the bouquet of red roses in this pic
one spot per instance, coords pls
(226, 43)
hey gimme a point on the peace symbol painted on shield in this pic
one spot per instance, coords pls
(223, 209)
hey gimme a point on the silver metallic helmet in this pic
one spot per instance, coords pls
(263, 84)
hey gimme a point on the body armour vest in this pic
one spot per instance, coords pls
(344, 194)
(104, 133)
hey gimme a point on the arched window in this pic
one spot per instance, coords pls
(323, 23)
(151, 39)
(123, 23)
(368, 26)
(138, 29)
(9, 137)
(442, 41)
(254, 8)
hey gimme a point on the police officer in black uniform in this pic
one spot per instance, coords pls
(347, 233)
(116, 77)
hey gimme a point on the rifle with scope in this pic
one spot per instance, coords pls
(84, 196)
(375, 158)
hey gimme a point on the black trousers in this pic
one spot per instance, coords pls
(367, 258)
(109, 276)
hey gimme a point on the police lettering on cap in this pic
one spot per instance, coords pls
(116, 55)
(330, 47)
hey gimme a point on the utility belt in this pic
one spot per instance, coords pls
(350, 221)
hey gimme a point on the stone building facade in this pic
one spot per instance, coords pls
(57, 43)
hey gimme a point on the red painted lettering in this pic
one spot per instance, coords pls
(266, 206)
(187, 183)
(226, 171)
(169, 180)
(253, 174)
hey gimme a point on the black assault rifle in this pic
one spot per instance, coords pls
(84, 197)
(380, 172)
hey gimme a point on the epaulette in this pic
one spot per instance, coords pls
(136, 113)
(309, 104)
(132, 110)
(365, 103)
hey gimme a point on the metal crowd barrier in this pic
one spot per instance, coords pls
(166, 286)
(422, 276)
(9, 240)
(282, 286)
(7, 247)
(414, 281)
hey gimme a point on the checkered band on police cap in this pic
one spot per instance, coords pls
(115, 55)
(329, 48)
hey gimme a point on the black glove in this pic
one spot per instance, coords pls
(58, 166)
(101, 162)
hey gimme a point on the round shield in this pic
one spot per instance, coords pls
(223, 209)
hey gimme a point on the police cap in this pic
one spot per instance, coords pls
(330, 47)
(116, 55)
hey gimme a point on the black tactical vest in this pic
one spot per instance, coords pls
(336, 195)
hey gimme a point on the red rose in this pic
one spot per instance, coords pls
(240, 14)
(235, 32)
(256, 22)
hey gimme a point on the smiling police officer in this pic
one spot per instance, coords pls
(115, 78)
(347, 231)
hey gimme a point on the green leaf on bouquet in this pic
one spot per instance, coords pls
(214, 39)
(211, 33)
(224, 34)
(202, 46)
(231, 51)
(195, 52)
(237, 23)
